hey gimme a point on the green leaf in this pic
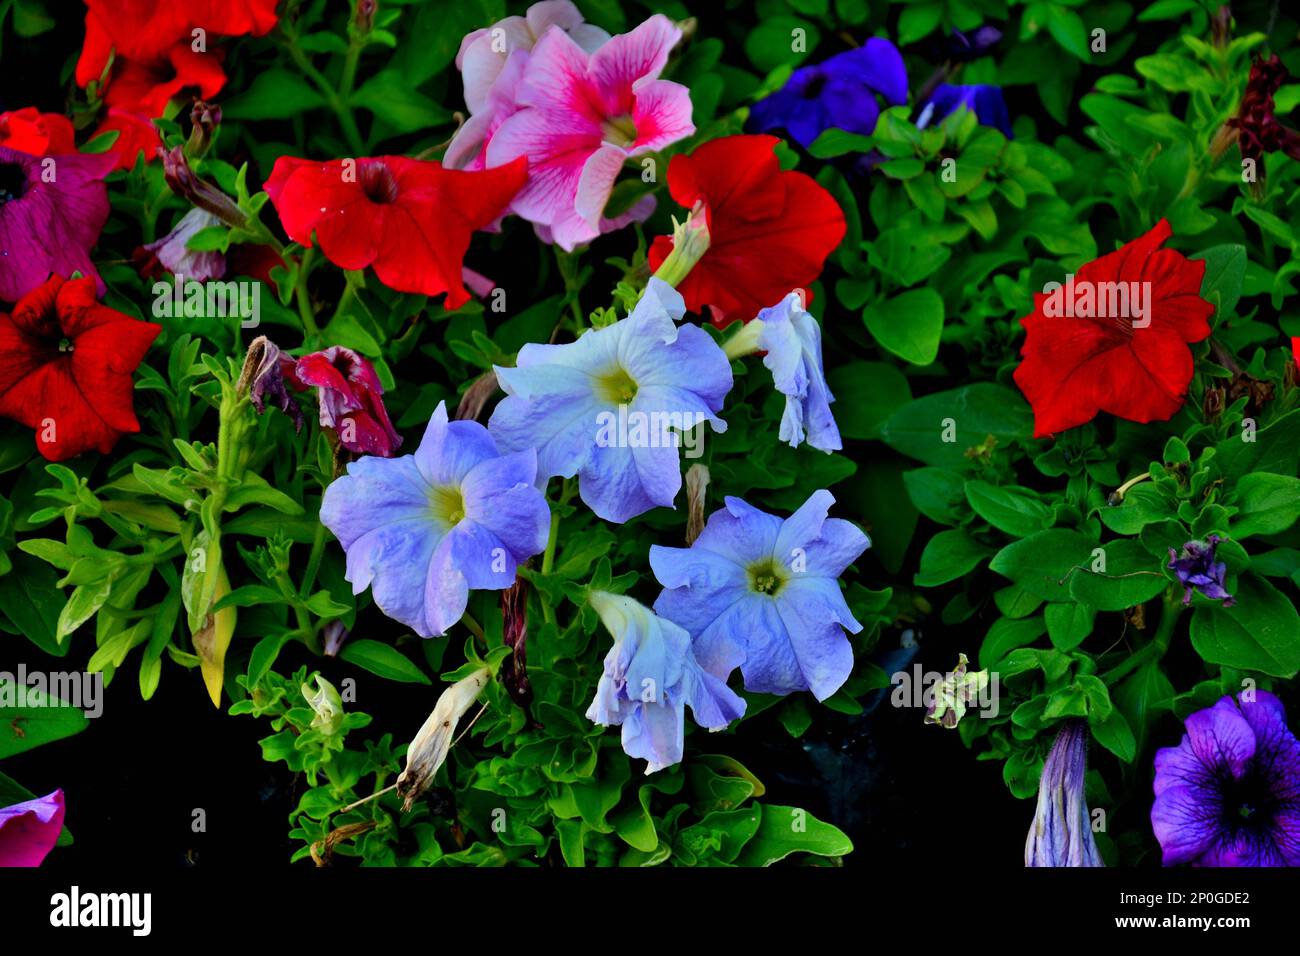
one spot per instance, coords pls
(1261, 632)
(938, 493)
(786, 830)
(1068, 624)
(1225, 268)
(398, 104)
(948, 556)
(1132, 575)
(1269, 504)
(1113, 732)
(1040, 563)
(31, 600)
(1017, 511)
(38, 718)
(1068, 29)
(939, 428)
(1142, 505)
(275, 93)
(866, 394)
(381, 659)
(909, 324)
(1142, 696)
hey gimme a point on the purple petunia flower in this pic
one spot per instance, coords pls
(650, 677)
(1229, 793)
(1061, 834)
(984, 101)
(422, 530)
(612, 407)
(761, 593)
(1198, 571)
(29, 830)
(839, 93)
(51, 211)
(176, 256)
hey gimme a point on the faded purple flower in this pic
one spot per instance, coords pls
(1198, 571)
(1229, 793)
(51, 211)
(265, 368)
(29, 830)
(1061, 834)
(176, 256)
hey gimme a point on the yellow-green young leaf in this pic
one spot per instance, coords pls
(212, 640)
(86, 599)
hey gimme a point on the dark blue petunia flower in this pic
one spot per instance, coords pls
(839, 93)
(984, 101)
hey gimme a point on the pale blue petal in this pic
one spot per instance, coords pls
(499, 495)
(450, 449)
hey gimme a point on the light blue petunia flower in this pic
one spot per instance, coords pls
(651, 676)
(612, 406)
(422, 530)
(793, 343)
(762, 594)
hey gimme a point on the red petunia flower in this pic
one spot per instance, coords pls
(135, 135)
(770, 231)
(147, 86)
(350, 397)
(159, 49)
(144, 31)
(410, 219)
(40, 134)
(1114, 338)
(65, 367)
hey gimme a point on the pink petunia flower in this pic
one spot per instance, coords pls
(483, 53)
(29, 830)
(51, 211)
(581, 117)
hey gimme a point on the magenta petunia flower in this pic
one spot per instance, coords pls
(51, 211)
(581, 117)
(29, 830)
(351, 399)
(1229, 793)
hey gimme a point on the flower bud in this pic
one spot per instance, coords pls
(690, 243)
(204, 119)
(428, 751)
(1061, 834)
(476, 396)
(326, 703)
(184, 183)
(697, 484)
(514, 630)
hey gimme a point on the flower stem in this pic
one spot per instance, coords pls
(313, 561)
(303, 299)
(1154, 649)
